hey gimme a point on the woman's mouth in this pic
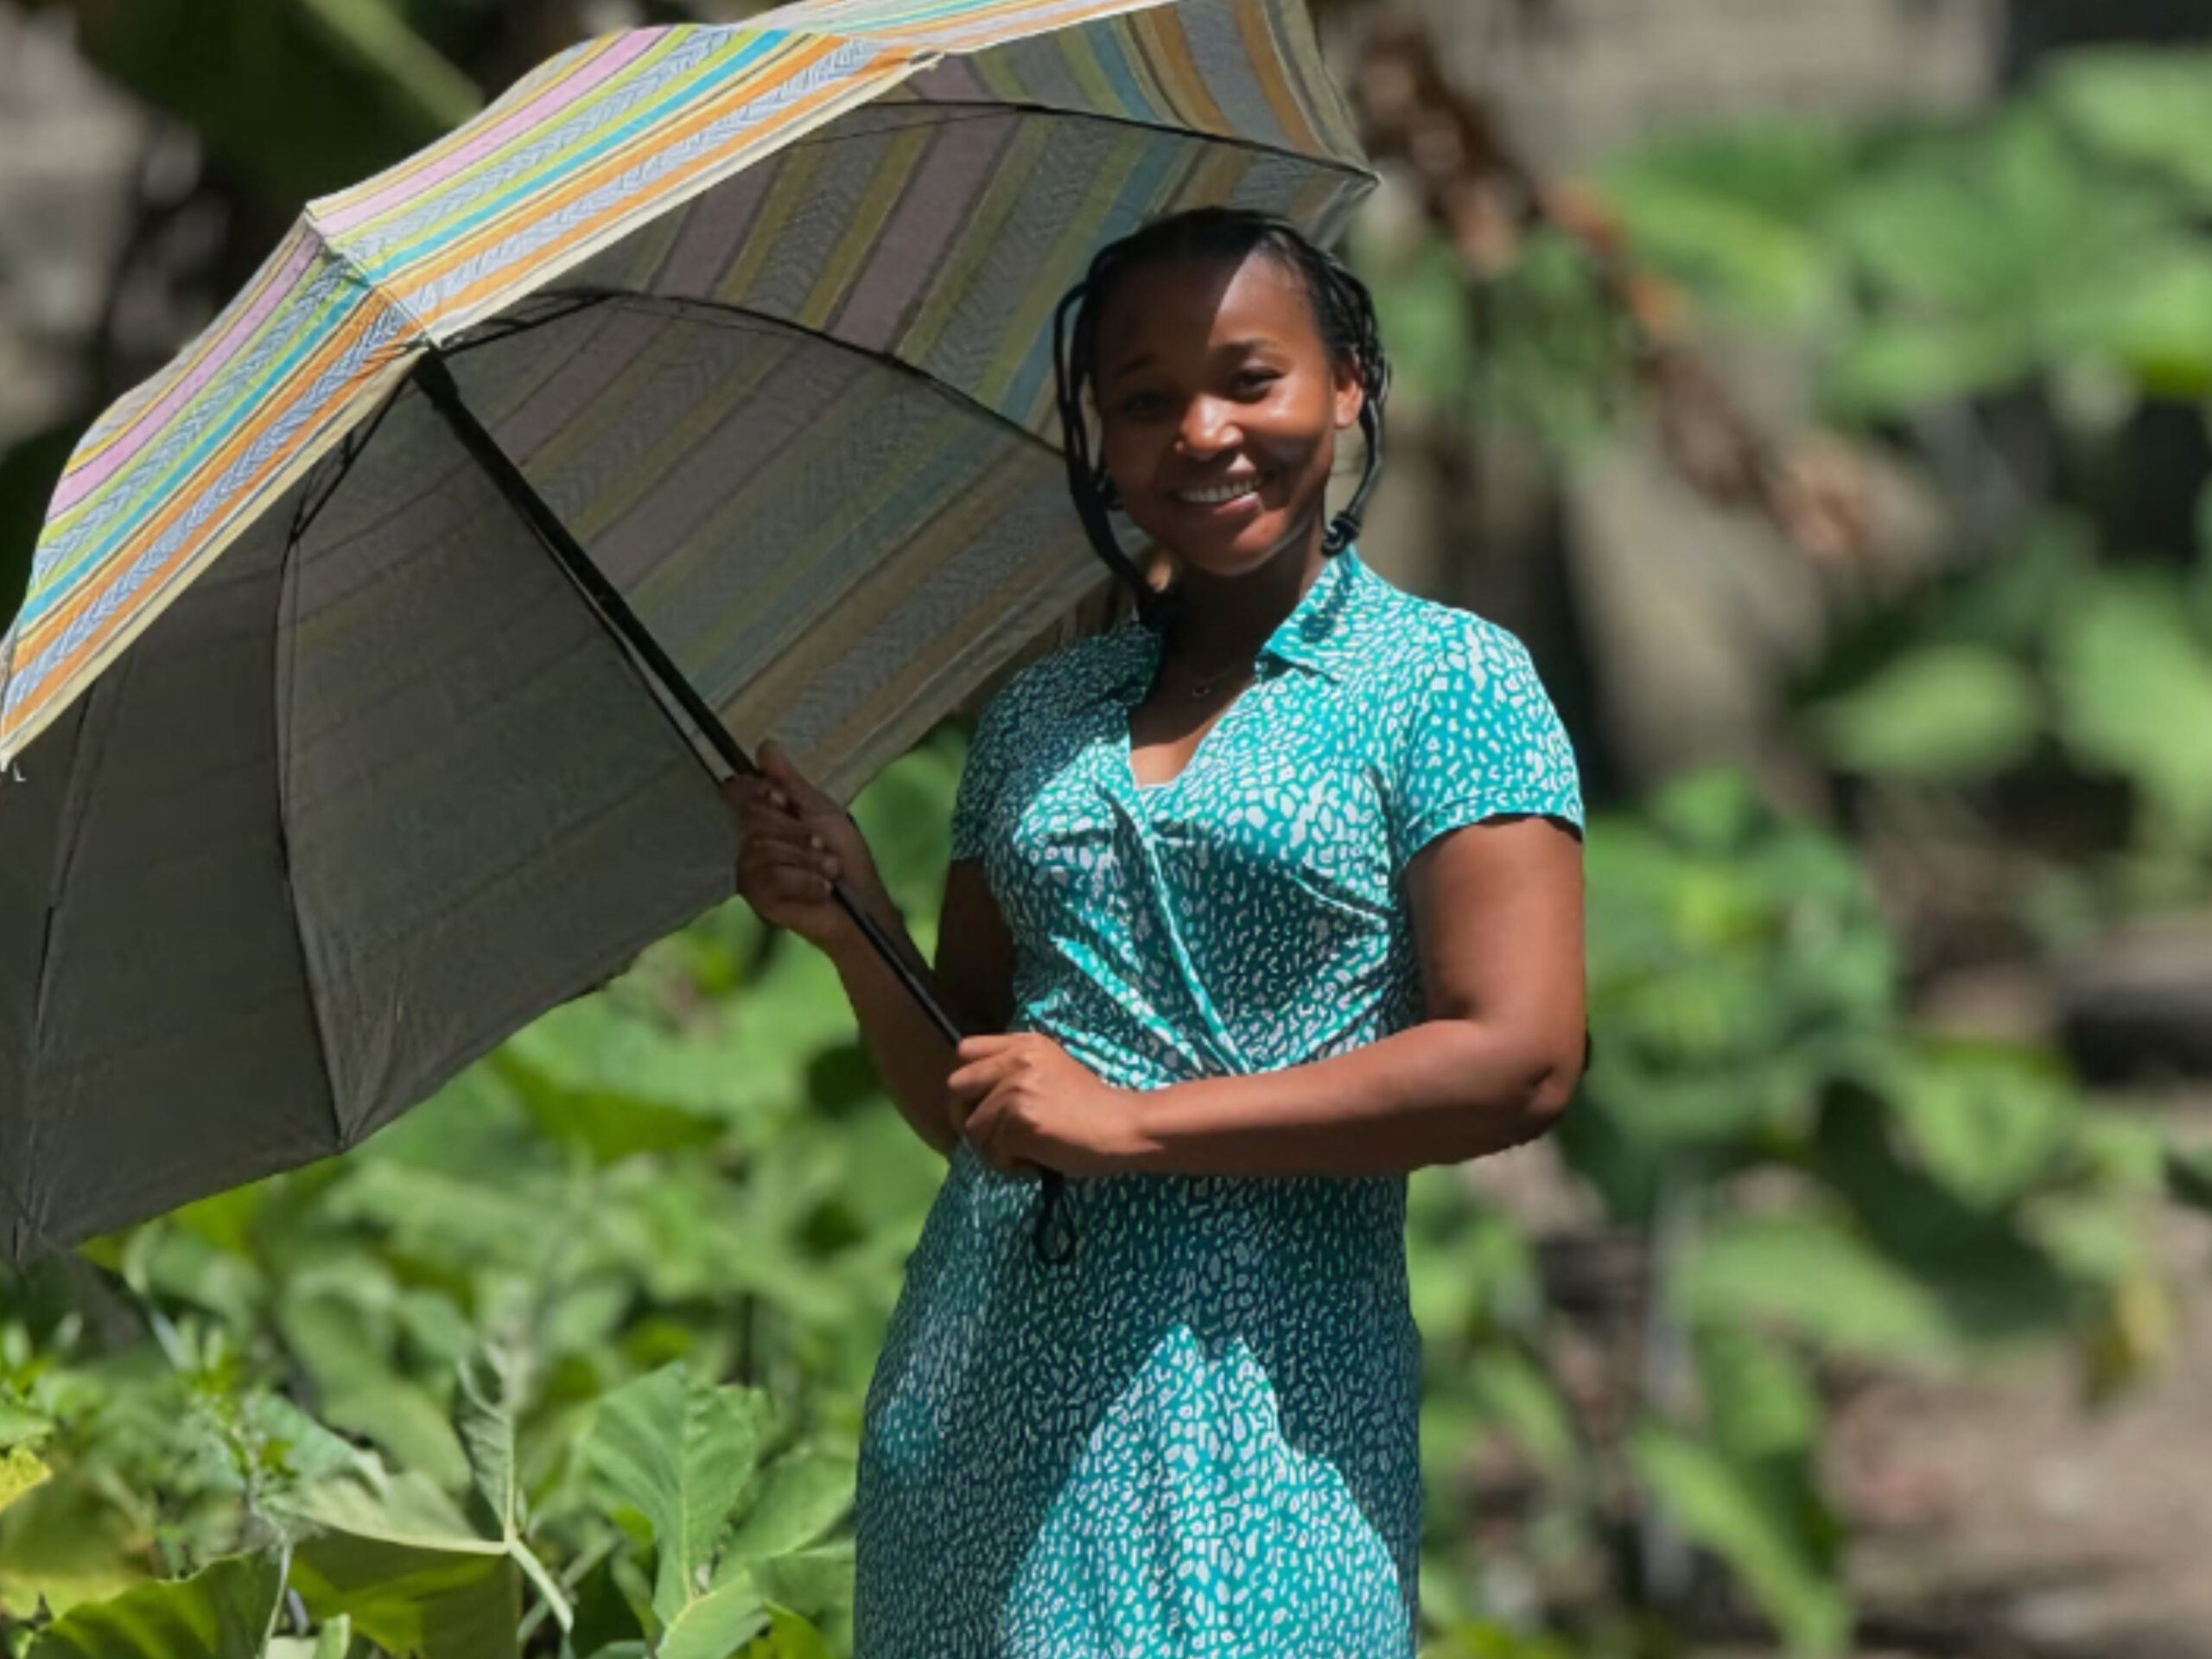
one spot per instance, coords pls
(1223, 495)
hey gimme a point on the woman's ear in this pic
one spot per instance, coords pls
(1350, 391)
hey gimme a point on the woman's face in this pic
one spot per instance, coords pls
(1219, 407)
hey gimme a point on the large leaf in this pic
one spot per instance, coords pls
(1734, 215)
(65, 1545)
(800, 1496)
(1713, 1502)
(788, 1637)
(816, 1584)
(2134, 691)
(608, 1125)
(1813, 1278)
(2148, 106)
(396, 1556)
(224, 1612)
(1984, 1120)
(20, 1471)
(680, 1451)
(330, 1643)
(1981, 246)
(1947, 713)
(412, 1569)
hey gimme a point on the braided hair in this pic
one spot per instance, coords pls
(1342, 306)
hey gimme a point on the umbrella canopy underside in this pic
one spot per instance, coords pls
(306, 828)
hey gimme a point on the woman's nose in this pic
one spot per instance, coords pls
(1207, 429)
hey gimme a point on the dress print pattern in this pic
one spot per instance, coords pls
(1199, 1437)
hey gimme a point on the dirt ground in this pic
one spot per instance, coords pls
(2001, 1516)
(2004, 1518)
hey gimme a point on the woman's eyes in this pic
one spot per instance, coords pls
(1244, 380)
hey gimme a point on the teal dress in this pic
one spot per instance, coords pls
(1200, 1437)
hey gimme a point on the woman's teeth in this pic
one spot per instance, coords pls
(1219, 492)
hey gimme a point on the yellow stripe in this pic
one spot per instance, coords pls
(892, 174)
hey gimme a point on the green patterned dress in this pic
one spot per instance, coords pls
(1200, 1437)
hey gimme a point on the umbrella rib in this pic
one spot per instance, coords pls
(605, 601)
(972, 110)
(723, 313)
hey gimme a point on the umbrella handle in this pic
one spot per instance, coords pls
(437, 384)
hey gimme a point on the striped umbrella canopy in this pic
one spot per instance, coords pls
(322, 775)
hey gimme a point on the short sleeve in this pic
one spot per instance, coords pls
(1482, 739)
(982, 772)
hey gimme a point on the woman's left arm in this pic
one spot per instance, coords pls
(1497, 912)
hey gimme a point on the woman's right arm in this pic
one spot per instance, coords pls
(972, 982)
(793, 841)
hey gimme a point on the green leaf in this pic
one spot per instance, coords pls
(1516, 1396)
(1733, 215)
(1811, 1277)
(66, 1545)
(680, 1450)
(412, 1588)
(802, 1495)
(813, 1583)
(1759, 1402)
(330, 1643)
(1983, 1120)
(789, 1636)
(1944, 711)
(607, 1124)
(20, 1472)
(18, 1425)
(2148, 106)
(1716, 1506)
(224, 1612)
(2134, 687)
(715, 1624)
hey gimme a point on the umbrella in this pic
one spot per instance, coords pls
(381, 654)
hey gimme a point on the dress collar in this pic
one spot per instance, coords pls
(1317, 634)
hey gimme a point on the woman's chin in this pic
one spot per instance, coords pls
(1223, 543)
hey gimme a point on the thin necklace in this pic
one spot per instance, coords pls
(1199, 688)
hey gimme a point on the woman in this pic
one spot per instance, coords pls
(1218, 894)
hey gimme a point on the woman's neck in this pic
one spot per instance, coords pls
(1227, 618)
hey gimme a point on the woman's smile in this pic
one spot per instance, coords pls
(1229, 493)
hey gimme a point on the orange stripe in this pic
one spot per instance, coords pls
(468, 297)
(215, 334)
(1266, 57)
(91, 591)
(520, 93)
(545, 204)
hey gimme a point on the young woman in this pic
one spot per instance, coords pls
(1267, 896)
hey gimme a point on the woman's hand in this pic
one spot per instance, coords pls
(793, 841)
(1023, 1101)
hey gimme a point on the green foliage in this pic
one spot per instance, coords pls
(224, 1612)
(518, 1296)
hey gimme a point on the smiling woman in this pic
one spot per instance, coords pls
(1219, 869)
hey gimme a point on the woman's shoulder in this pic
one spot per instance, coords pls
(1063, 678)
(1416, 640)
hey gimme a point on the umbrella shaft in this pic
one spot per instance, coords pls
(437, 384)
(1055, 1236)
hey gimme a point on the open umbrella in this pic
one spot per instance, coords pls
(381, 654)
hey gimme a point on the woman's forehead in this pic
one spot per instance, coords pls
(1187, 301)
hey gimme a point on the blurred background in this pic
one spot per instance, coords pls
(1820, 388)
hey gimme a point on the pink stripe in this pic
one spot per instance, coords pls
(714, 231)
(626, 49)
(82, 482)
(962, 157)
